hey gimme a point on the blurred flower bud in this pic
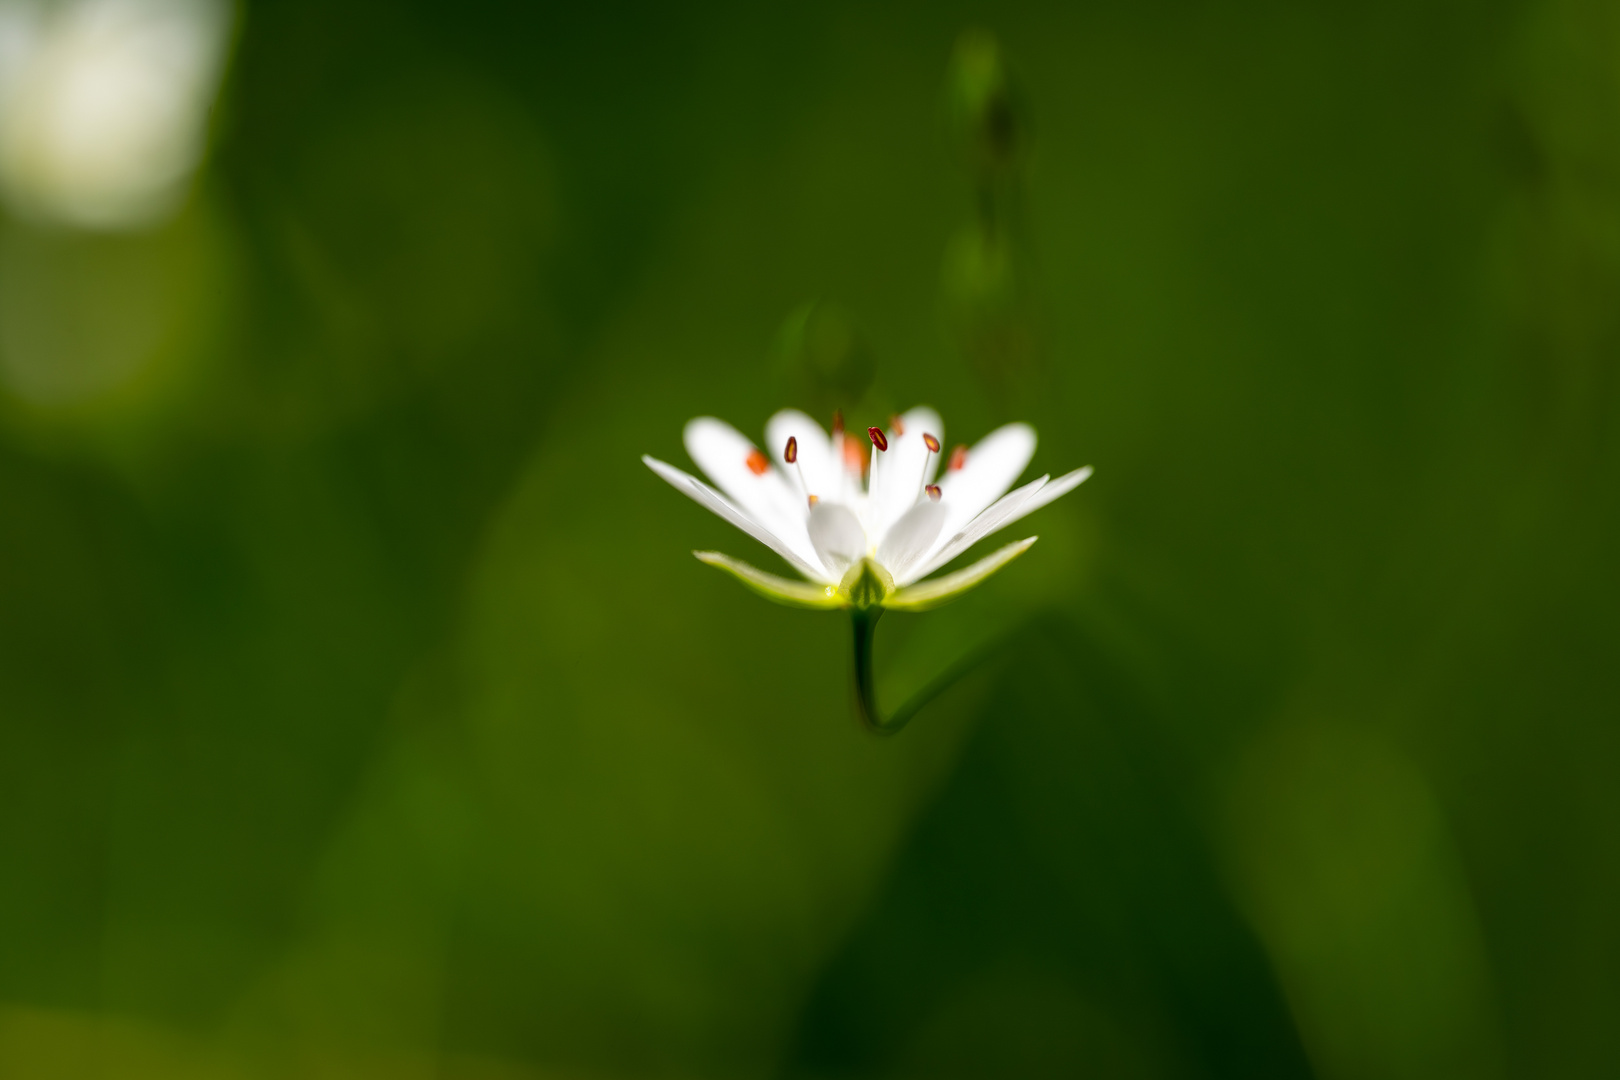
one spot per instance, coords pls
(986, 300)
(987, 305)
(985, 116)
(823, 356)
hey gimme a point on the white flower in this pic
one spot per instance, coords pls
(104, 105)
(864, 545)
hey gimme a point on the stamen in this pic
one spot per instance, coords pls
(958, 458)
(933, 448)
(791, 455)
(854, 454)
(879, 440)
(933, 492)
(758, 462)
(838, 422)
(814, 499)
(897, 425)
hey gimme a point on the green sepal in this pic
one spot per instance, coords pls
(932, 593)
(866, 585)
(802, 594)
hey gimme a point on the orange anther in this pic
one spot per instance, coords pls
(931, 442)
(958, 458)
(854, 454)
(758, 462)
(897, 425)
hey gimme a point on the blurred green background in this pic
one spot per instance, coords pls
(363, 712)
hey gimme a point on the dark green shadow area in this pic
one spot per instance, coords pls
(1054, 910)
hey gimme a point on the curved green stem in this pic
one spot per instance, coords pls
(866, 706)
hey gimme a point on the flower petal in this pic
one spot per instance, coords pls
(707, 496)
(911, 537)
(898, 473)
(745, 473)
(1015, 505)
(820, 462)
(993, 463)
(947, 547)
(1061, 486)
(780, 589)
(933, 593)
(837, 535)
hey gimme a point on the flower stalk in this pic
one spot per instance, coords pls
(866, 706)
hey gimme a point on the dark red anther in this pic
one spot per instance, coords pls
(792, 451)
(879, 440)
(897, 425)
(931, 442)
(758, 462)
(958, 458)
(933, 492)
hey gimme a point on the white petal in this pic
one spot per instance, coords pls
(779, 589)
(1015, 505)
(898, 473)
(1061, 486)
(947, 547)
(993, 463)
(707, 496)
(723, 452)
(837, 535)
(819, 462)
(911, 537)
(931, 593)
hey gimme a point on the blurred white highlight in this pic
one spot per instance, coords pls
(104, 106)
